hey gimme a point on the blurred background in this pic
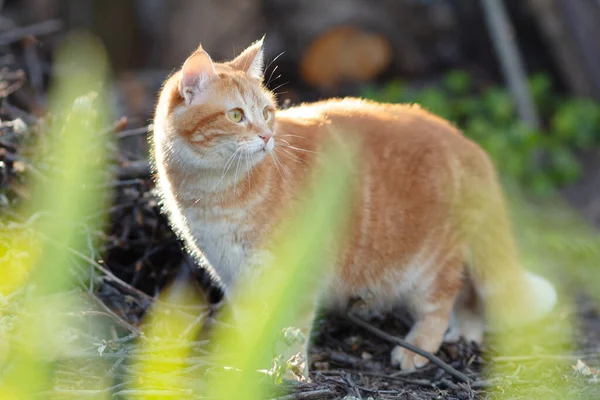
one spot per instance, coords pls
(520, 77)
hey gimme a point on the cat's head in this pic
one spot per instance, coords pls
(222, 112)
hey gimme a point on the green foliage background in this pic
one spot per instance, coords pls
(540, 160)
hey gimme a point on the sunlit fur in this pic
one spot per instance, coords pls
(428, 230)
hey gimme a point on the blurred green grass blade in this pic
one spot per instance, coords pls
(77, 153)
(168, 337)
(557, 243)
(555, 240)
(275, 299)
(78, 149)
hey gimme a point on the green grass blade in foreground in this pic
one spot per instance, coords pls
(60, 202)
(167, 340)
(78, 150)
(272, 301)
(557, 244)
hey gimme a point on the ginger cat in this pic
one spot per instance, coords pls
(429, 229)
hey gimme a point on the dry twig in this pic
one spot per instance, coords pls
(392, 339)
(41, 28)
(313, 394)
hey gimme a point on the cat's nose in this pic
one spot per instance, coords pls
(265, 136)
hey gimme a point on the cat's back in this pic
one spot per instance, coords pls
(384, 129)
(377, 119)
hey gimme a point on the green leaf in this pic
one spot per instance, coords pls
(566, 166)
(499, 105)
(458, 82)
(435, 101)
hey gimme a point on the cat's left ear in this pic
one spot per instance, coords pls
(251, 61)
(196, 72)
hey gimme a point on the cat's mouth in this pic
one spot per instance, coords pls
(260, 147)
(269, 145)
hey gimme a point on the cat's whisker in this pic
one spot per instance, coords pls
(282, 85)
(289, 154)
(228, 165)
(294, 157)
(277, 77)
(232, 159)
(248, 166)
(299, 149)
(225, 168)
(270, 76)
(273, 60)
(237, 168)
(287, 170)
(224, 144)
(277, 164)
(289, 134)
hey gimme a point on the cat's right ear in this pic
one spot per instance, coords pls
(197, 70)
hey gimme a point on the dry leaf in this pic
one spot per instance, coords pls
(583, 369)
(19, 166)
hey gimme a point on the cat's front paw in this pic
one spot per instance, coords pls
(406, 359)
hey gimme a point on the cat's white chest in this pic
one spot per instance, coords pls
(223, 241)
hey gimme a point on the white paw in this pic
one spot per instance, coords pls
(466, 324)
(452, 335)
(473, 333)
(406, 359)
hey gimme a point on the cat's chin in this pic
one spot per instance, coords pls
(258, 156)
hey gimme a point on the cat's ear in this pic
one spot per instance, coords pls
(252, 60)
(197, 70)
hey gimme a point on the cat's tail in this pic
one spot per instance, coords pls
(510, 295)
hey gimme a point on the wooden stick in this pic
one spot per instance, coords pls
(117, 318)
(392, 339)
(314, 394)
(133, 132)
(108, 274)
(41, 28)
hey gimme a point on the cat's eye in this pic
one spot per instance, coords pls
(236, 115)
(266, 113)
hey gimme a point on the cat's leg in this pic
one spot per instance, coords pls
(290, 350)
(432, 313)
(467, 317)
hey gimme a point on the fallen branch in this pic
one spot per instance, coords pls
(350, 360)
(42, 28)
(117, 318)
(392, 339)
(134, 169)
(82, 392)
(107, 274)
(91, 313)
(314, 394)
(113, 278)
(133, 132)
